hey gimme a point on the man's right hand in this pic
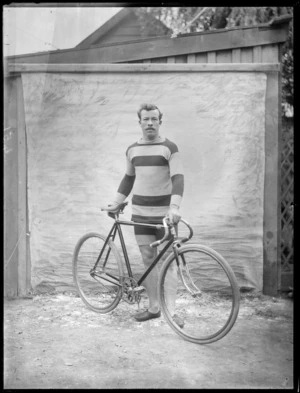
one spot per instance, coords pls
(111, 207)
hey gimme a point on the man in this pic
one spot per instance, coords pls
(154, 172)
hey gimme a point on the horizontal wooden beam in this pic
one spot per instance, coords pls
(211, 41)
(143, 67)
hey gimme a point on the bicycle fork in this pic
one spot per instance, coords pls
(183, 268)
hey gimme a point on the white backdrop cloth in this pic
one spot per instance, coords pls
(78, 128)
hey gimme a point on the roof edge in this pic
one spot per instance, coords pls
(279, 20)
(274, 24)
(105, 28)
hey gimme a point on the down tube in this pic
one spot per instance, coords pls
(154, 263)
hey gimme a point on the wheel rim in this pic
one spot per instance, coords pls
(210, 314)
(97, 285)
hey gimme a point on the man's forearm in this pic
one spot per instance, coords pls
(125, 188)
(177, 190)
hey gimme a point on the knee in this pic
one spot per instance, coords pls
(148, 254)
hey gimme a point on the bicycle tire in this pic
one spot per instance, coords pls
(97, 293)
(209, 314)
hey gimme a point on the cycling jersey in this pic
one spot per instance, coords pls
(154, 173)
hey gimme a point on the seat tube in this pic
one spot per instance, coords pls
(124, 249)
(112, 234)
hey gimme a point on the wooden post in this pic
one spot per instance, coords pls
(271, 236)
(10, 188)
(23, 263)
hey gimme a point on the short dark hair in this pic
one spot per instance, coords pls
(149, 107)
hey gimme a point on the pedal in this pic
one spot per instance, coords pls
(139, 289)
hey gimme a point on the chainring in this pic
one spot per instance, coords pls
(131, 290)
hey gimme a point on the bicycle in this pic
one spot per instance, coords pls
(207, 296)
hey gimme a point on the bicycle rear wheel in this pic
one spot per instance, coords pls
(99, 284)
(207, 294)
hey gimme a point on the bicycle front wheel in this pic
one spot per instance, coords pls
(98, 272)
(202, 291)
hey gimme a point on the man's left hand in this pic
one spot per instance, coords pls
(173, 215)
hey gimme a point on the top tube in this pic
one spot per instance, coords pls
(114, 213)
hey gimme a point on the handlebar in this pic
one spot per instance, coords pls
(170, 228)
(114, 211)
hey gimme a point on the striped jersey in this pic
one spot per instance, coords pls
(154, 173)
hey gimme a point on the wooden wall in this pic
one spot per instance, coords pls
(255, 54)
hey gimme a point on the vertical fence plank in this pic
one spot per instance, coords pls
(257, 54)
(201, 58)
(181, 59)
(246, 55)
(171, 59)
(211, 57)
(191, 58)
(236, 55)
(223, 56)
(159, 60)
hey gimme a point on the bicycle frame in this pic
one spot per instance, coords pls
(123, 286)
(116, 228)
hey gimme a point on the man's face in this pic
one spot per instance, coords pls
(150, 124)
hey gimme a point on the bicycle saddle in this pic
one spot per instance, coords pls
(115, 210)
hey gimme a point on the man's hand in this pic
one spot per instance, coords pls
(173, 214)
(111, 207)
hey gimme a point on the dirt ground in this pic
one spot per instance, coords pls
(54, 341)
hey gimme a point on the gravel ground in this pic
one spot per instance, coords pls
(54, 341)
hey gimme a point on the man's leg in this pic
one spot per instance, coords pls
(171, 283)
(150, 283)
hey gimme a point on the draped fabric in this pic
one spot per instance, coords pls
(78, 128)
